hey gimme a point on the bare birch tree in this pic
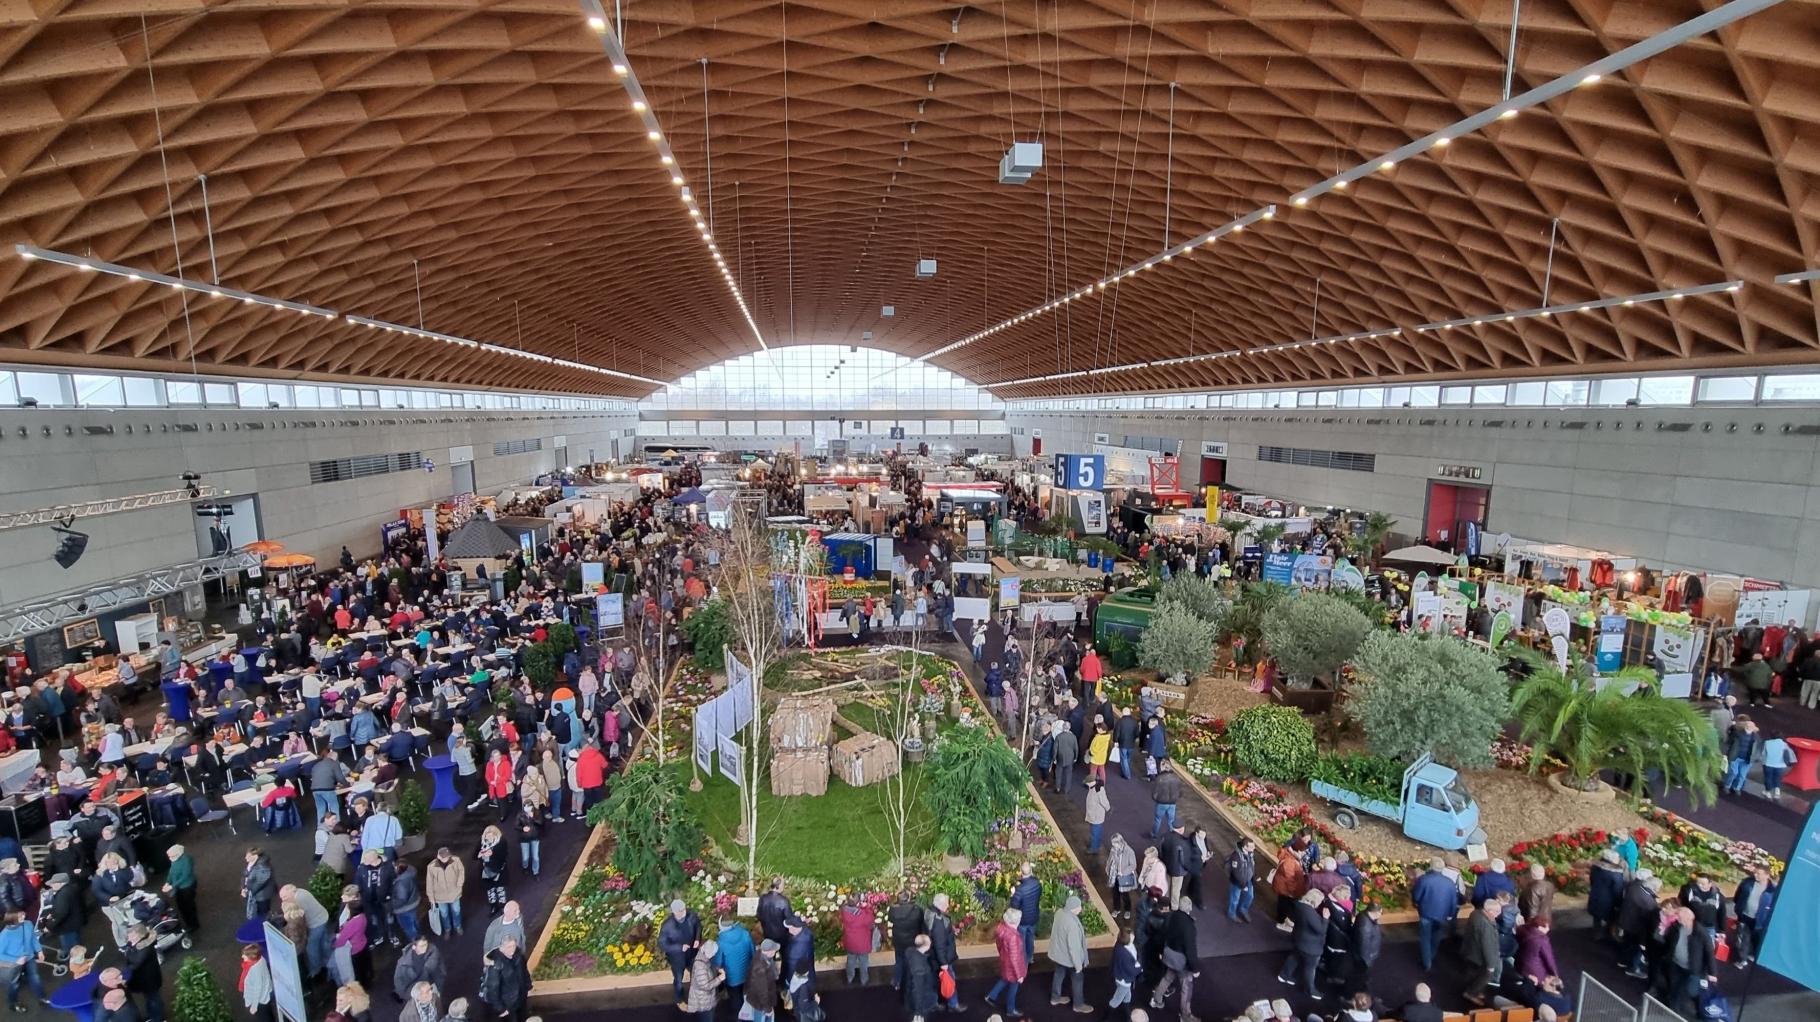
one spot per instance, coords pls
(746, 574)
(900, 718)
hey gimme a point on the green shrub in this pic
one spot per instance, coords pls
(1122, 652)
(1432, 694)
(562, 637)
(1375, 777)
(413, 809)
(709, 631)
(325, 886)
(541, 661)
(972, 779)
(198, 997)
(654, 829)
(1273, 742)
(1177, 643)
(1312, 634)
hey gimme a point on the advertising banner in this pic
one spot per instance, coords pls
(1279, 568)
(1788, 946)
(1008, 589)
(287, 982)
(1609, 655)
(430, 534)
(1346, 576)
(1427, 608)
(593, 573)
(1506, 597)
(1500, 626)
(390, 531)
(1312, 571)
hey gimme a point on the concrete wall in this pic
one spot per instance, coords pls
(52, 457)
(1734, 492)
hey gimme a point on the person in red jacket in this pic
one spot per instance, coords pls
(1090, 673)
(1012, 966)
(858, 927)
(591, 773)
(500, 783)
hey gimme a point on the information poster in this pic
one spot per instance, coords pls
(1427, 607)
(705, 738)
(593, 574)
(1008, 591)
(1313, 571)
(610, 611)
(732, 766)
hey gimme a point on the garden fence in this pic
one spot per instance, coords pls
(1656, 1011)
(1599, 1003)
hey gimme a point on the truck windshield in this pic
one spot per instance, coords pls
(1458, 796)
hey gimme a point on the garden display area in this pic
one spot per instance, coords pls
(908, 785)
(1530, 738)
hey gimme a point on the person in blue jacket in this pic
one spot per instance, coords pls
(1156, 743)
(1126, 971)
(734, 957)
(799, 960)
(1490, 882)
(1027, 898)
(1437, 900)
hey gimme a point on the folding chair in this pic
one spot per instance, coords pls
(1520, 1015)
(204, 813)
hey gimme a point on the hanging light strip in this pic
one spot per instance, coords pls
(86, 264)
(1589, 74)
(1167, 255)
(666, 157)
(1543, 312)
(1798, 277)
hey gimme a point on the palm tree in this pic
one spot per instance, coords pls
(1266, 536)
(1592, 728)
(1377, 530)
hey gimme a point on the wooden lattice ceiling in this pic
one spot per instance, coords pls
(491, 142)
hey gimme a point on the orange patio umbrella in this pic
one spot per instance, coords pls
(264, 546)
(290, 561)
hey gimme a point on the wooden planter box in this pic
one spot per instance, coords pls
(1318, 699)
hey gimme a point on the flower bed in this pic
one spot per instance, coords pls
(1675, 851)
(600, 930)
(1276, 818)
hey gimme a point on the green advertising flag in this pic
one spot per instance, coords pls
(1500, 626)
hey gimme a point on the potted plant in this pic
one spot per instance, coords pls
(974, 778)
(198, 997)
(849, 552)
(413, 817)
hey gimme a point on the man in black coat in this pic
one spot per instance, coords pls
(921, 996)
(773, 909)
(144, 974)
(1637, 916)
(1684, 959)
(906, 919)
(1177, 851)
(1423, 1008)
(1310, 942)
(64, 919)
(506, 985)
(942, 951)
(1367, 944)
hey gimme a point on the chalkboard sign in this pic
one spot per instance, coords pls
(45, 650)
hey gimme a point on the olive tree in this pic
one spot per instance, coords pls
(1177, 643)
(1312, 635)
(1433, 694)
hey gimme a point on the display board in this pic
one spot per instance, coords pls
(972, 608)
(1772, 606)
(287, 981)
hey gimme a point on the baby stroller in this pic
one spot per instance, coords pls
(156, 915)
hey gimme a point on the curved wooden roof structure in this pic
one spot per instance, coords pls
(487, 150)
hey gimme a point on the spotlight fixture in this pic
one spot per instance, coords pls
(70, 548)
(192, 483)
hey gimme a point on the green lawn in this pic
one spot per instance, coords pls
(839, 837)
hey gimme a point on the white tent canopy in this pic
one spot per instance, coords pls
(1421, 554)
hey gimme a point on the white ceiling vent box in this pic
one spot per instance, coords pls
(1021, 161)
(925, 269)
(888, 311)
